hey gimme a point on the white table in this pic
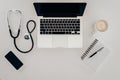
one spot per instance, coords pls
(61, 64)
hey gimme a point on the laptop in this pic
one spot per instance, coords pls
(59, 24)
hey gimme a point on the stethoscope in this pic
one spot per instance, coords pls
(18, 33)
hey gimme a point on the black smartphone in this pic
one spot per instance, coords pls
(14, 60)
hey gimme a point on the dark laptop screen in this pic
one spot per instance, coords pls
(60, 9)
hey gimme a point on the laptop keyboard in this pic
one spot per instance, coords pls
(60, 26)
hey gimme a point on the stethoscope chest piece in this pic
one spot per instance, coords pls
(26, 37)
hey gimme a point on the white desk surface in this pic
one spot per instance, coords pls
(61, 64)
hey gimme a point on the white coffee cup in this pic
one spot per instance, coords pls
(101, 25)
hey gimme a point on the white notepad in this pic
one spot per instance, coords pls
(95, 61)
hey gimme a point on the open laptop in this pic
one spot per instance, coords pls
(59, 25)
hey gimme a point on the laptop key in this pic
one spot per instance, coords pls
(58, 32)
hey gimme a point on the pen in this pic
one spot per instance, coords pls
(96, 52)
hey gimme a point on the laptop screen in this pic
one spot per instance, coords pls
(60, 9)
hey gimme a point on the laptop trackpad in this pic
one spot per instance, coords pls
(60, 41)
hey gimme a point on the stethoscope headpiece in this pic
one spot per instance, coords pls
(10, 12)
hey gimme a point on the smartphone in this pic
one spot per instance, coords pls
(16, 63)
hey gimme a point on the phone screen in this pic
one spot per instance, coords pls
(14, 60)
